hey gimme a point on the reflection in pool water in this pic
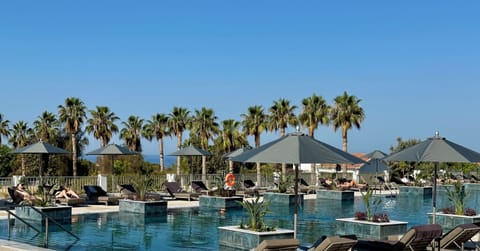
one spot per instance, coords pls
(196, 229)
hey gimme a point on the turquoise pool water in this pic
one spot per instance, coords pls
(196, 229)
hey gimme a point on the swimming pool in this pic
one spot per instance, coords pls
(196, 229)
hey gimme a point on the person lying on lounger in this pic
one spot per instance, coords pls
(20, 189)
(66, 192)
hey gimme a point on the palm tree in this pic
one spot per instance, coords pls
(178, 122)
(231, 138)
(4, 128)
(20, 135)
(281, 115)
(254, 123)
(158, 128)
(345, 113)
(131, 133)
(205, 126)
(315, 110)
(72, 114)
(46, 127)
(102, 124)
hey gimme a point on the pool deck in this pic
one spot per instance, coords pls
(12, 245)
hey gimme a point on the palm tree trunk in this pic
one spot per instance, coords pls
(204, 168)
(160, 146)
(259, 175)
(74, 154)
(23, 166)
(344, 146)
(179, 145)
(284, 169)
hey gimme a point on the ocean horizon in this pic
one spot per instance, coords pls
(152, 158)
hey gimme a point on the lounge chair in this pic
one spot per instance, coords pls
(249, 189)
(278, 244)
(304, 187)
(416, 238)
(332, 243)
(177, 192)
(16, 197)
(460, 235)
(96, 194)
(199, 187)
(71, 201)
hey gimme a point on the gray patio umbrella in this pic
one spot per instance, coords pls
(377, 154)
(235, 153)
(373, 166)
(42, 148)
(435, 150)
(297, 148)
(375, 163)
(112, 150)
(191, 151)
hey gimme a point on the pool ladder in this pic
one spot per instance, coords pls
(47, 220)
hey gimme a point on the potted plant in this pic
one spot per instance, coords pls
(249, 234)
(141, 202)
(456, 214)
(370, 213)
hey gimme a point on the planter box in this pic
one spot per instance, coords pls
(143, 207)
(219, 202)
(335, 195)
(61, 214)
(283, 198)
(415, 191)
(370, 230)
(241, 239)
(450, 221)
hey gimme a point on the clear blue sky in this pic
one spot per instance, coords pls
(414, 64)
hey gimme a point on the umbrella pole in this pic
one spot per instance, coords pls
(295, 212)
(434, 202)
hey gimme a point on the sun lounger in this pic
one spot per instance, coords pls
(456, 238)
(249, 189)
(332, 243)
(71, 201)
(16, 197)
(416, 238)
(96, 194)
(199, 187)
(278, 244)
(304, 187)
(177, 192)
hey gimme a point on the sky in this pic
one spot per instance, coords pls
(415, 65)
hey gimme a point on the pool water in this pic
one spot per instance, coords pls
(196, 229)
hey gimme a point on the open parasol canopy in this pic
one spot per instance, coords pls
(42, 148)
(112, 150)
(436, 150)
(297, 148)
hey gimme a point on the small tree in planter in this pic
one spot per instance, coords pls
(457, 196)
(256, 211)
(370, 214)
(142, 185)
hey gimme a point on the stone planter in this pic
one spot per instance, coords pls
(61, 214)
(143, 207)
(216, 202)
(415, 191)
(450, 221)
(241, 239)
(335, 195)
(283, 198)
(370, 230)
